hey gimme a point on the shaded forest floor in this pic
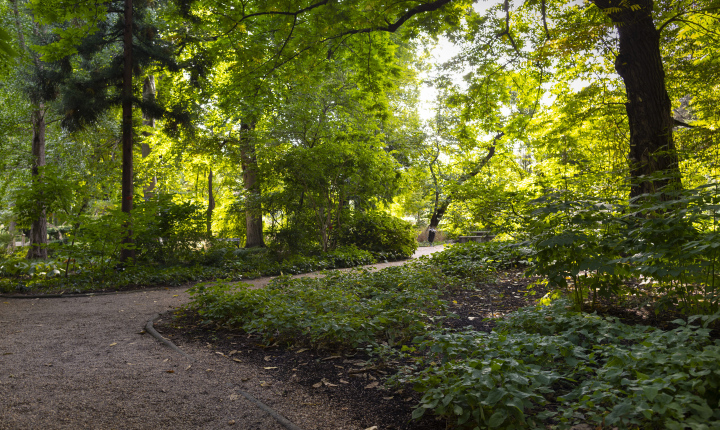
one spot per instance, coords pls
(353, 382)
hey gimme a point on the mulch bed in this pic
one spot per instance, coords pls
(352, 383)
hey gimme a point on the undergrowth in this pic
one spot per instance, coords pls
(73, 275)
(550, 366)
(340, 311)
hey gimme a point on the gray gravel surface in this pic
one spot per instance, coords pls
(83, 363)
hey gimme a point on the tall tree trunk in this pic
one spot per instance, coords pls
(127, 252)
(211, 204)
(440, 207)
(38, 230)
(253, 210)
(639, 64)
(148, 121)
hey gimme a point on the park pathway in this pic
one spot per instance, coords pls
(85, 363)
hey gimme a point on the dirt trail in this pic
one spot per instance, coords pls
(74, 363)
(261, 282)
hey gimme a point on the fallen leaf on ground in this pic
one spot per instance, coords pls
(113, 344)
(219, 353)
(189, 366)
(342, 381)
(270, 368)
(318, 385)
(233, 352)
(372, 384)
(170, 371)
(237, 359)
(264, 384)
(372, 428)
(267, 358)
(327, 383)
(389, 398)
(301, 350)
(331, 358)
(231, 422)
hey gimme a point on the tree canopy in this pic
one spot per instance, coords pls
(280, 117)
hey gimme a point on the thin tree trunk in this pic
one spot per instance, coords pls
(253, 210)
(127, 251)
(38, 230)
(148, 121)
(211, 204)
(639, 64)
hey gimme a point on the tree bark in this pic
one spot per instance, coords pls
(38, 230)
(211, 204)
(253, 209)
(639, 64)
(148, 121)
(127, 252)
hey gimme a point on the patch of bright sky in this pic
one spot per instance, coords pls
(443, 51)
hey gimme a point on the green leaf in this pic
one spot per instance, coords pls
(650, 392)
(545, 415)
(494, 396)
(417, 413)
(497, 418)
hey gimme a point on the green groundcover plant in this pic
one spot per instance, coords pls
(549, 365)
(338, 312)
(474, 262)
(75, 272)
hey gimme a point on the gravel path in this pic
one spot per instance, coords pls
(83, 362)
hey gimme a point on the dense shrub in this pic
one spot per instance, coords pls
(670, 238)
(387, 236)
(168, 231)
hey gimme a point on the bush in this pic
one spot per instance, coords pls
(671, 238)
(168, 231)
(384, 235)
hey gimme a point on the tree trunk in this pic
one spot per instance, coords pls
(38, 230)
(211, 204)
(253, 210)
(148, 121)
(127, 251)
(639, 64)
